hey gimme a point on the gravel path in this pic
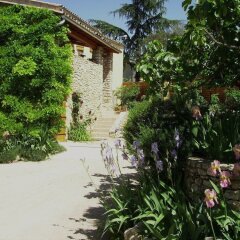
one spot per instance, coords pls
(52, 199)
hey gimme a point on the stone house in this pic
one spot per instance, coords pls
(97, 63)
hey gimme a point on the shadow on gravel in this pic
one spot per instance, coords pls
(95, 214)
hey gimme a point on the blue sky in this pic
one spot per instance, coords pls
(99, 9)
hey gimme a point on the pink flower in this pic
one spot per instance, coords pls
(225, 179)
(236, 151)
(210, 198)
(236, 169)
(196, 113)
(215, 168)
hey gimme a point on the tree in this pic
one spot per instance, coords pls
(144, 18)
(213, 30)
(208, 53)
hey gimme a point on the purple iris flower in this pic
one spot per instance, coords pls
(113, 169)
(136, 145)
(117, 143)
(141, 156)
(177, 138)
(133, 161)
(174, 154)
(176, 135)
(155, 148)
(108, 153)
(159, 166)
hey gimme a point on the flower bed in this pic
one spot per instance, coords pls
(197, 179)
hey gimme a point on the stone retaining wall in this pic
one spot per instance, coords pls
(197, 180)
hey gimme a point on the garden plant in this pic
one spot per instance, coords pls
(174, 122)
(79, 128)
(35, 76)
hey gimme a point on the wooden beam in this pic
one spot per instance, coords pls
(82, 40)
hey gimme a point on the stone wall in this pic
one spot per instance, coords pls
(88, 81)
(107, 80)
(197, 180)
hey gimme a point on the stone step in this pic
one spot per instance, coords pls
(102, 128)
(106, 119)
(99, 136)
(100, 132)
(110, 116)
(103, 124)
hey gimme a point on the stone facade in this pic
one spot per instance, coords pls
(197, 180)
(88, 82)
(107, 80)
(97, 56)
(93, 80)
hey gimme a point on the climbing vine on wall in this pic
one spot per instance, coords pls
(35, 70)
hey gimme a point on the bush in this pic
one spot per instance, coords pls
(166, 122)
(35, 70)
(218, 131)
(79, 132)
(9, 155)
(128, 95)
(233, 99)
(28, 147)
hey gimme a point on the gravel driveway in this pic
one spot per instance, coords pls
(52, 199)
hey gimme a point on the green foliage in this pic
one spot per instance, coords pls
(128, 95)
(79, 132)
(144, 20)
(217, 132)
(213, 28)
(28, 147)
(35, 70)
(159, 67)
(9, 155)
(76, 99)
(119, 211)
(207, 53)
(162, 211)
(224, 221)
(178, 119)
(233, 99)
(157, 120)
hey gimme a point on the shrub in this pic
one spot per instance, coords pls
(128, 95)
(28, 147)
(79, 132)
(218, 131)
(233, 99)
(167, 122)
(9, 155)
(35, 70)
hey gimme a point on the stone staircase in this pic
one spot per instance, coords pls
(102, 126)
